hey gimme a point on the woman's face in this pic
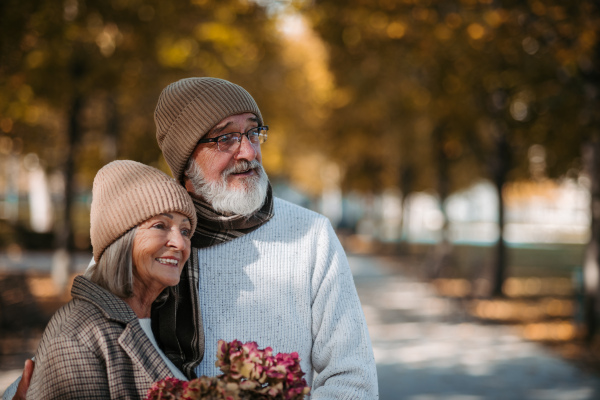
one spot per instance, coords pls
(160, 249)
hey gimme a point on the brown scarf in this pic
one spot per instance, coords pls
(214, 228)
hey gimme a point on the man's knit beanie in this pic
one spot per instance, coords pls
(127, 193)
(189, 108)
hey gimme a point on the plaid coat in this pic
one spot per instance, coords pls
(95, 348)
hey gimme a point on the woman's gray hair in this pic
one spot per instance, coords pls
(114, 270)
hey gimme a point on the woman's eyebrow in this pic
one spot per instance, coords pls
(167, 215)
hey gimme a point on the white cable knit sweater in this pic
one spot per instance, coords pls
(288, 285)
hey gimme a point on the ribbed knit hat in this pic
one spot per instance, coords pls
(127, 193)
(189, 108)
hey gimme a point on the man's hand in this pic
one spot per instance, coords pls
(25, 380)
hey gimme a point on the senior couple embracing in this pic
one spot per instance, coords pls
(211, 254)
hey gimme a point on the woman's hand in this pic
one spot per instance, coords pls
(25, 381)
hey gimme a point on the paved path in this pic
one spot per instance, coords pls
(427, 349)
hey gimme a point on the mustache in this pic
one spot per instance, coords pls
(241, 166)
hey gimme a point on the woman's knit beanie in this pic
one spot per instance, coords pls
(127, 193)
(189, 108)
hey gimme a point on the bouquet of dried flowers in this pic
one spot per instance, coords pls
(248, 373)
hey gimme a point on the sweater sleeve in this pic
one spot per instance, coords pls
(342, 355)
(10, 391)
(68, 370)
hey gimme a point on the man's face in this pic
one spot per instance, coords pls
(233, 182)
(213, 162)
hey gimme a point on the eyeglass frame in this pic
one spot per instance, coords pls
(216, 138)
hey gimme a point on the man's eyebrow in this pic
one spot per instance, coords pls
(218, 130)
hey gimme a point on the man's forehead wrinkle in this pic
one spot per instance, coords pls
(219, 129)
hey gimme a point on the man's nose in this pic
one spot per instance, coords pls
(246, 151)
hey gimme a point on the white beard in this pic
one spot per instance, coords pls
(238, 201)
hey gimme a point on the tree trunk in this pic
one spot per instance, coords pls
(406, 185)
(110, 145)
(499, 266)
(443, 249)
(591, 267)
(62, 260)
(500, 170)
(591, 157)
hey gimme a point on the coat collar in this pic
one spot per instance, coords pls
(137, 345)
(133, 340)
(111, 306)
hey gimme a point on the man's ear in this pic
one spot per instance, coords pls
(187, 183)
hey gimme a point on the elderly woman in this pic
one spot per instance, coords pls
(100, 345)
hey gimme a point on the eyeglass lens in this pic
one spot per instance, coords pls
(232, 141)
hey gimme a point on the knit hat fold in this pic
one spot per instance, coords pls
(126, 193)
(189, 108)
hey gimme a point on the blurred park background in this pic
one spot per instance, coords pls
(461, 136)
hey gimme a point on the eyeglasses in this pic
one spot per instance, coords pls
(231, 141)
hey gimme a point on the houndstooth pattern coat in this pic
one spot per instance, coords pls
(95, 348)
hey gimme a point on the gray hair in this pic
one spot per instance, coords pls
(114, 270)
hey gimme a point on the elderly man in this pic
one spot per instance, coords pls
(261, 269)
(269, 271)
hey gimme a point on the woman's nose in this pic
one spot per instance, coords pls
(177, 240)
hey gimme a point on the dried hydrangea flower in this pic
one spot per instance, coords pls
(249, 373)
